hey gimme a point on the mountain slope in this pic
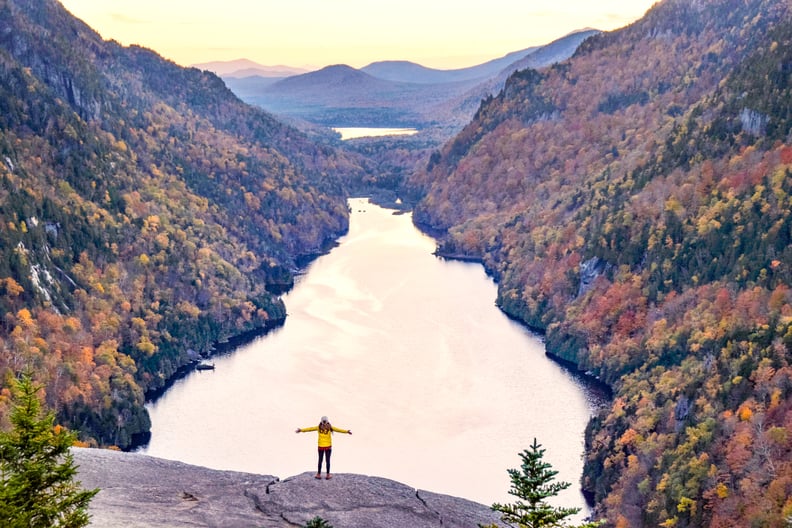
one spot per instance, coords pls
(146, 211)
(405, 71)
(634, 203)
(557, 51)
(460, 110)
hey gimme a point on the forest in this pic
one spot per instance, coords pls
(146, 214)
(635, 205)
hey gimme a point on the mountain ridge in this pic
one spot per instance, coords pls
(407, 71)
(463, 108)
(248, 68)
(341, 75)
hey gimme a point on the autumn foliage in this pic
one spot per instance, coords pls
(145, 214)
(635, 204)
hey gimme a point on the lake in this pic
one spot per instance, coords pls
(440, 389)
(360, 132)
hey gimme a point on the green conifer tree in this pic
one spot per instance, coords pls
(318, 522)
(533, 484)
(37, 486)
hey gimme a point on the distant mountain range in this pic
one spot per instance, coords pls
(390, 93)
(340, 95)
(247, 68)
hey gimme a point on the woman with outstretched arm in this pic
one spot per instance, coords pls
(325, 443)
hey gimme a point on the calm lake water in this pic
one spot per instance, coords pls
(441, 390)
(359, 132)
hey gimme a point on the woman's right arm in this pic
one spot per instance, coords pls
(307, 429)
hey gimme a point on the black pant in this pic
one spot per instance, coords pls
(324, 453)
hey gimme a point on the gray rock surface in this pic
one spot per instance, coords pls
(142, 491)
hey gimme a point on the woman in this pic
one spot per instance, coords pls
(325, 443)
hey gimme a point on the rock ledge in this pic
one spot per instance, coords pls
(142, 491)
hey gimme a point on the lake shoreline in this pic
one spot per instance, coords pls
(280, 376)
(230, 344)
(589, 380)
(570, 365)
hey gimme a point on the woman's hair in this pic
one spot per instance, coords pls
(324, 425)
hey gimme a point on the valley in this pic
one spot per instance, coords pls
(391, 93)
(628, 191)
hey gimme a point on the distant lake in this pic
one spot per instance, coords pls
(440, 388)
(358, 132)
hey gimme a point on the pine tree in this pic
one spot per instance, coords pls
(37, 486)
(318, 522)
(533, 484)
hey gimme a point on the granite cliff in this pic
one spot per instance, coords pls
(141, 491)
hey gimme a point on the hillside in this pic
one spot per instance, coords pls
(458, 111)
(147, 213)
(634, 203)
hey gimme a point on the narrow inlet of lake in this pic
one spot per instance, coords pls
(440, 389)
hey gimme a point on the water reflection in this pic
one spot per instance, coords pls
(361, 132)
(409, 351)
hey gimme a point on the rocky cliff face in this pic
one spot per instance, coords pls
(140, 491)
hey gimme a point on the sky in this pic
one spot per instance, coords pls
(314, 33)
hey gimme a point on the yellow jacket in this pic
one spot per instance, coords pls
(325, 439)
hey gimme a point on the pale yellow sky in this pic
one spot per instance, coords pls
(315, 33)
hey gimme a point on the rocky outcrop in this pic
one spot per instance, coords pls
(141, 491)
(590, 270)
(754, 122)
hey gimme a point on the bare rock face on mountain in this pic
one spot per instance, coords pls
(141, 491)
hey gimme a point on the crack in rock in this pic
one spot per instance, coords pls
(439, 515)
(187, 496)
(283, 516)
